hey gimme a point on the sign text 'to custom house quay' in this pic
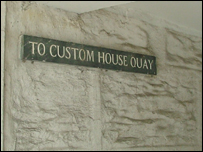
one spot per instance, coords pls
(48, 50)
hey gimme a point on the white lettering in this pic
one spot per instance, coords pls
(120, 59)
(150, 64)
(38, 49)
(74, 49)
(90, 57)
(116, 59)
(100, 57)
(50, 50)
(145, 64)
(58, 50)
(33, 47)
(69, 55)
(82, 59)
(125, 60)
(131, 62)
(140, 63)
(109, 58)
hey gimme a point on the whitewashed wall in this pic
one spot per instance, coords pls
(3, 17)
(51, 106)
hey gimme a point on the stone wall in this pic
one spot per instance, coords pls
(3, 17)
(50, 106)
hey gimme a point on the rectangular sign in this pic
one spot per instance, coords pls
(48, 50)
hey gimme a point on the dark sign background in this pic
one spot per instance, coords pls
(27, 55)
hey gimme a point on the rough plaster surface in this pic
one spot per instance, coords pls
(51, 106)
(128, 11)
(3, 17)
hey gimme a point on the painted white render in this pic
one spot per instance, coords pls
(3, 17)
(50, 106)
(184, 13)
